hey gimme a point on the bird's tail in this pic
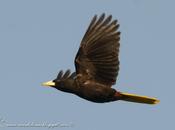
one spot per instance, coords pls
(138, 98)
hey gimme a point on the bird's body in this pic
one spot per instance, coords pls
(88, 89)
(96, 92)
(97, 66)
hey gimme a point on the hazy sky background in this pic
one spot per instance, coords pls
(40, 37)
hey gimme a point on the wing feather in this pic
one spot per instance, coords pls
(97, 56)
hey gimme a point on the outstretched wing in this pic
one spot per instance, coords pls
(97, 57)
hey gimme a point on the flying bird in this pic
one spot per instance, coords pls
(97, 66)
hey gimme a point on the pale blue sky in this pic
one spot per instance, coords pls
(40, 37)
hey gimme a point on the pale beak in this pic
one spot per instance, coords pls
(49, 83)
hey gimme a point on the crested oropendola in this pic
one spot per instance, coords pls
(97, 66)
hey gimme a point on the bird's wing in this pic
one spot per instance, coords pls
(66, 75)
(97, 56)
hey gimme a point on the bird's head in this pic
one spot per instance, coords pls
(62, 82)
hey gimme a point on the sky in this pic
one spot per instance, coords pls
(38, 38)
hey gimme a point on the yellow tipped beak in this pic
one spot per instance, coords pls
(49, 83)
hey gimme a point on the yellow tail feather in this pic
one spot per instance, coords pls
(138, 98)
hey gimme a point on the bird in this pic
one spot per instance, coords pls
(97, 66)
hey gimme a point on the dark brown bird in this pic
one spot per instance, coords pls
(97, 66)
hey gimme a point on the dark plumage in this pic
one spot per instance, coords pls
(97, 66)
